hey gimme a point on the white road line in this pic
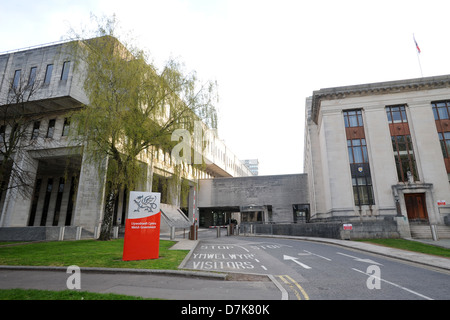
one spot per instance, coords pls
(263, 267)
(395, 285)
(317, 255)
(359, 259)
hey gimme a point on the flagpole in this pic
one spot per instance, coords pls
(418, 55)
(420, 66)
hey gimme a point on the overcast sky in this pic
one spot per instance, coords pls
(267, 56)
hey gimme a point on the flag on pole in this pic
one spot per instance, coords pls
(417, 46)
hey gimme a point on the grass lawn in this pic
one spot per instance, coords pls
(32, 294)
(87, 253)
(411, 246)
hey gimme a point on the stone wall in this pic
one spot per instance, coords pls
(385, 228)
(280, 192)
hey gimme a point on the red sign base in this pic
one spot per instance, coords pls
(141, 240)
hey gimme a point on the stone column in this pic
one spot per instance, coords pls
(90, 200)
(17, 204)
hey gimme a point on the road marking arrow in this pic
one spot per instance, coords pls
(359, 259)
(285, 257)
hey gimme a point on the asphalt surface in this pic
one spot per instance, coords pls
(199, 283)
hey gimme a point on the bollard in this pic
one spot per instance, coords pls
(434, 232)
(172, 233)
(218, 232)
(116, 232)
(193, 234)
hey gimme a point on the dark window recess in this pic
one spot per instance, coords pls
(48, 74)
(51, 128)
(71, 202)
(58, 202)
(32, 77)
(16, 79)
(35, 132)
(48, 194)
(66, 127)
(37, 189)
(65, 70)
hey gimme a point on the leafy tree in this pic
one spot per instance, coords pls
(17, 117)
(132, 108)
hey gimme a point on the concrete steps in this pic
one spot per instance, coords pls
(424, 232)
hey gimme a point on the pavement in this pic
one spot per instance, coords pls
(410, 256)
(170, 279)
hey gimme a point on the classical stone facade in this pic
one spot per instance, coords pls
(380, 150)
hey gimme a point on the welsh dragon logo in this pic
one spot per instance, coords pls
(145, 203)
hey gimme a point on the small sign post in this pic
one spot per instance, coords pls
(347, 228)
(142, 226)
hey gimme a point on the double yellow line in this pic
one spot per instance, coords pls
(294, 286)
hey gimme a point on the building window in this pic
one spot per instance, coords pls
(444, 138)
(357, 151)
(32, 77)
(396, 114)
(48, 74)
(358, 158)
(360, 171)
(404, 157)
(441, 117)
(440, 110)
(353, 118)
(35, 132)
(2, 134)
(16, 80)
(65, 70)
(66, 127)
(51, 128)
(402, 143)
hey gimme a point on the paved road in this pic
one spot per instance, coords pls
(296, 269)
(309, 270)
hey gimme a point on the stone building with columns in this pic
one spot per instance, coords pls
(381, 151)
(63, 188)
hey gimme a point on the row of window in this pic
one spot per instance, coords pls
(47, 78)
(402, 147)
(50, 128)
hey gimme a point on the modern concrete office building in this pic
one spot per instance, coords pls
(252, 165)
(255, 199)
(380, 151)
(65, 190)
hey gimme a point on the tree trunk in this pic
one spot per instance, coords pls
(107, 224)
